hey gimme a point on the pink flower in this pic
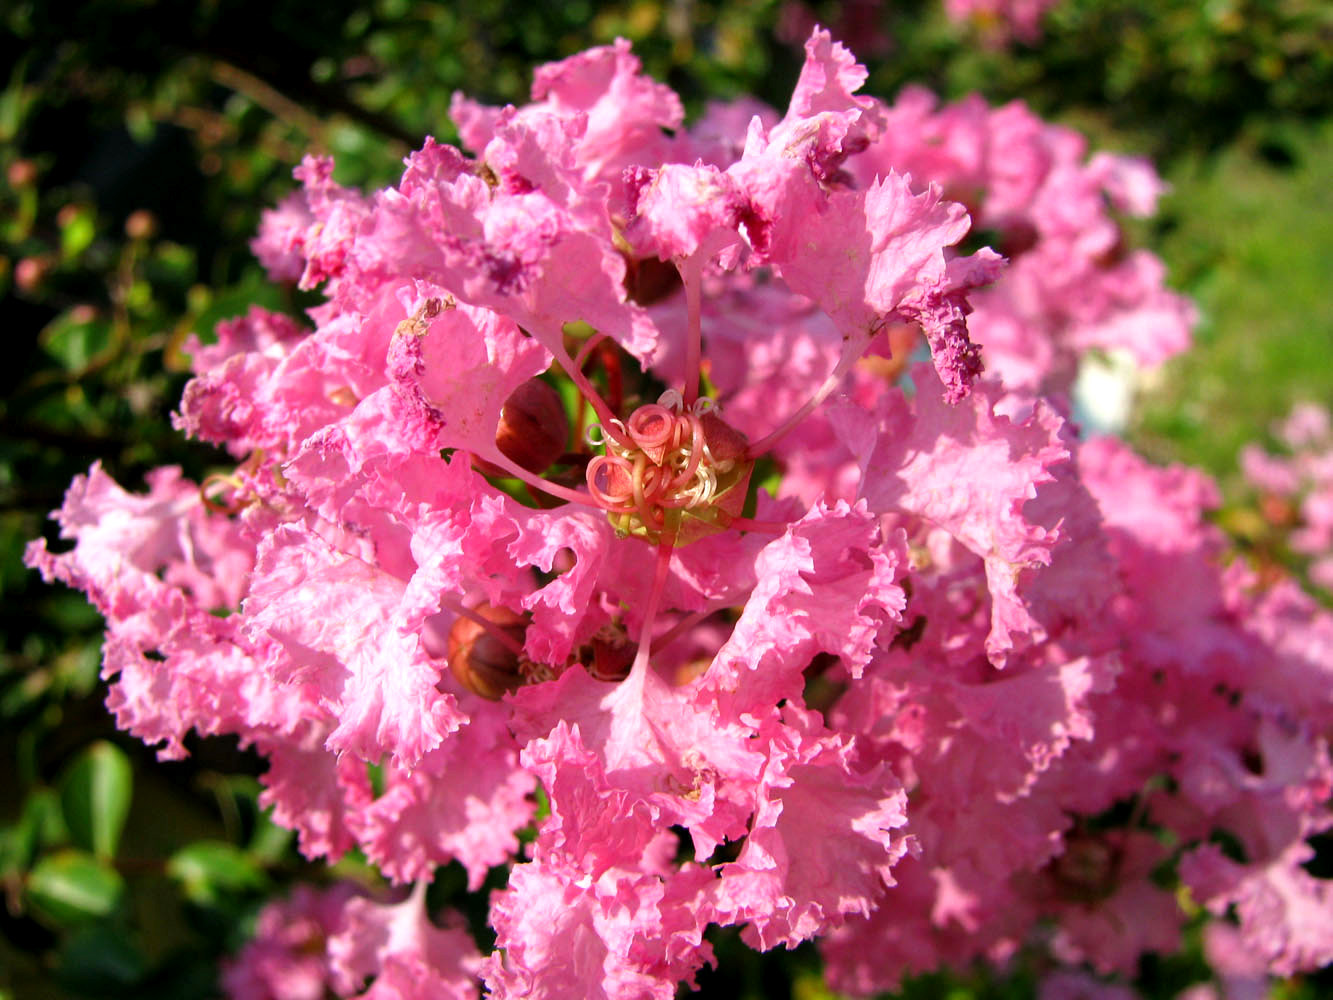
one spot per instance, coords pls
(286, 959)
(1019, 18)
(788, 634)
(409, 957)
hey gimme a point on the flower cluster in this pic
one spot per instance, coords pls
(1072, 284)
(1020, 19)
(1297, 488)
(786, 632)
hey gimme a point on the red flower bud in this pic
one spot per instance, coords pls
(482, 661)
(612, 655)
(534, 430)
(650, 280)
(141, 225)
(21, 173)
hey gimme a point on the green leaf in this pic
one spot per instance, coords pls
(73, 339)
(16, 101)
(270, 842)
(171, 263)
(72, 887)
(209, 870)
(19, 842)
(95, 798)
(99, 959)
(253, 289)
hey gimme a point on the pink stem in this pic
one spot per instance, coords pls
(537, 482)
(586, 350)
(418, 894)
(844, 365)
(680, 628)
(691, 274)
(591, 394)
(664, 549)
(496, 632)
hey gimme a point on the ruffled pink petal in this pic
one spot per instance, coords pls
(822, 842)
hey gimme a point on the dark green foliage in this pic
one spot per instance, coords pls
(140, 140)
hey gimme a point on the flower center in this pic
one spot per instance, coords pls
(672, 471)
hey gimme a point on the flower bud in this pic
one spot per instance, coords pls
(481, 661)
(1114, 254)
(1278, 511)
(649, 280)
(533, 429)
(1018, 238)
(30, 272)
(612, 654)
(724, 442)
(1086, 870)
(21, 173)
(141, 225)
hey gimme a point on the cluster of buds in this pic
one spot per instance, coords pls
(900, 705)
(486, 655)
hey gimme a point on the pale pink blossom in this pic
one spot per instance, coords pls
(789, 635)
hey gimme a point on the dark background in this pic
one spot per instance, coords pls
(139, 142)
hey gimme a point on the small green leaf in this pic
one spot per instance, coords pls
(139, 122)
(71, 887)
(376, 774)
(76, 233)
(211, 869)
(174, 264)
(95, 798)
(139, 296)
(234, 300)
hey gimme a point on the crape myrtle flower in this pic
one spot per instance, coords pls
(1004, 20)
(610, 474)
(1297, 487)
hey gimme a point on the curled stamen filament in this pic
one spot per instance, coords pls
(695, 453)
(661, 463)
(597, 436)
(672, 400)
(654, 429)
(618, 494)
(215, 485)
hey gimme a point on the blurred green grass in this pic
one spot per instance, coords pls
(197, 111)
(1248, 234)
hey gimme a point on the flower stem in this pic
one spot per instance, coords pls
(851, 351)
(590, 393)
(451, 603)
(537, 482)
(585, 352)
(680, 628)
(664, 549)
(691, 274)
